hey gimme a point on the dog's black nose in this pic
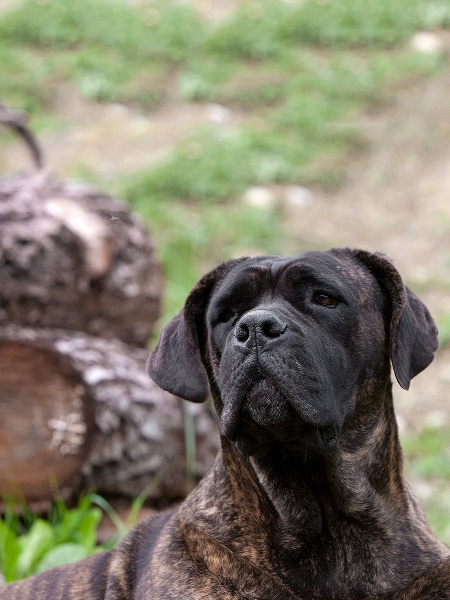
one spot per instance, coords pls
(261, 325)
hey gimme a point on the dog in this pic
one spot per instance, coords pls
(306, 499)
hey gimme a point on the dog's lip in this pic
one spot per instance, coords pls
(229, 421)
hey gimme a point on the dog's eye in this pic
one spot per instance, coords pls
(324, 299)
(226, 315)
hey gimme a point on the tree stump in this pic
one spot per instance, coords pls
(73, 257)
(80, 412)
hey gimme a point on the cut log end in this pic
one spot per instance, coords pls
(45, 420)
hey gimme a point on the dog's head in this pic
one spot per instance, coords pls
(290, 347)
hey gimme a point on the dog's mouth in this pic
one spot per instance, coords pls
(262, 415)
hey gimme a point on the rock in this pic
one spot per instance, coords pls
(260, 197)
(218, 113)
(427, 43)
(298, 195)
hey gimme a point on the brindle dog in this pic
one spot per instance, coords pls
(306, 499)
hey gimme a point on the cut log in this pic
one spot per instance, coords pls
(80, 412)
(73, 257)
(46, 422)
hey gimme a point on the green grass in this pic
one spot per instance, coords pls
(427, 461)
(168, 30)
(111, 50)
(303, 115)
(299, 90)
(348, 23)
(443, 324)
(264, 29)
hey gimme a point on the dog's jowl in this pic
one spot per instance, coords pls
(306, 499)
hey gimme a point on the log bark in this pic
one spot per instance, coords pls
(80, 412)
(72, 256)
(75, 258)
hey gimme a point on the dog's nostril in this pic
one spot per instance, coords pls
(242, 332)
(273, 328)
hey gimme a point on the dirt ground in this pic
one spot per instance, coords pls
(395, 196)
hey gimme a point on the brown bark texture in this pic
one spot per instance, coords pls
(80, 412)
(75, 258)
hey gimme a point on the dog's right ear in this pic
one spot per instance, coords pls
(176, 364)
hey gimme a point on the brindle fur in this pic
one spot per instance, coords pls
(325, 516)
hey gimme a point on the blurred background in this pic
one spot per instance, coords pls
(245, 127)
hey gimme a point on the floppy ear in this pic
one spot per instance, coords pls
(176, 364)
(413, 333)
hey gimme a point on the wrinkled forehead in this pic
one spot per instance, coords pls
(337, 268)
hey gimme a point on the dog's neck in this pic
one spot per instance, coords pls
(355, 491)
(300, 504)
(360, 481)
(355, 480)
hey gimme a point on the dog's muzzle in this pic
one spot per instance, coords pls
(271, 387)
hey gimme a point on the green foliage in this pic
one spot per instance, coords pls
(167, 30)
(114, 51)
(203, 168)
(428, 467)
(68, 534)
(429, 453)
(349, 23)
(31, 544)
(252, 32)
(263, 29)
(444, 330)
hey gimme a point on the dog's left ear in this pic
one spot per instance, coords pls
(413, 333)
(176, 363)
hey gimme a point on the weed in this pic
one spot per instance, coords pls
(372, 23)
(32, 544)
(67, 535)
(168, 29)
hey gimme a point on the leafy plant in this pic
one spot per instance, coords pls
(30, 544)
(67, 535)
